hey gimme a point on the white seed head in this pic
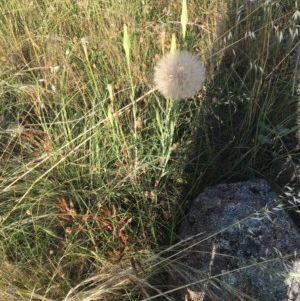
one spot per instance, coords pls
(179, 75)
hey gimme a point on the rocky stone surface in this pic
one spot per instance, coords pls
(244, 247)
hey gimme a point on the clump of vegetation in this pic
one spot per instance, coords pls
(94, 177)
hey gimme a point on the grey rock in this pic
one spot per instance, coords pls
(243, 246)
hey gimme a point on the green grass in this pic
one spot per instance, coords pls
(93, 171)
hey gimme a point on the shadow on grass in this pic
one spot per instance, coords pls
(250, 128)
